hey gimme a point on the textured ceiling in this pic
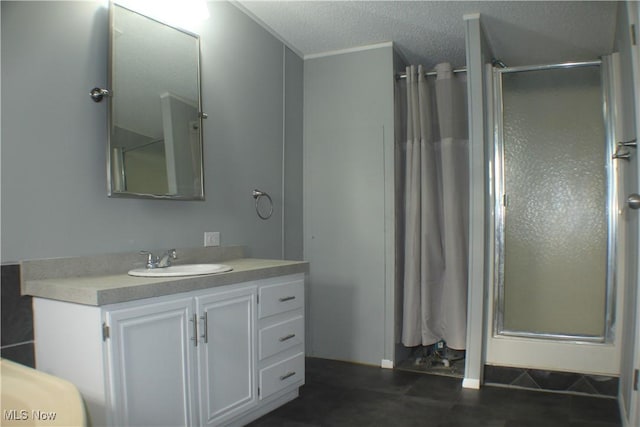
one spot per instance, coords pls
(429, 32)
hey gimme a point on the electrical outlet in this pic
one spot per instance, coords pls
(212, 238)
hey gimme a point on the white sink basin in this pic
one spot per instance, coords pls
(180, 270)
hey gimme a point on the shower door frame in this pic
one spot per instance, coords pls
(500, 205)
(549, 350)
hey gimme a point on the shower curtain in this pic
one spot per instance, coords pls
(435, 209)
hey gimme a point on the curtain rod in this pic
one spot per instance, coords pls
(431, 73)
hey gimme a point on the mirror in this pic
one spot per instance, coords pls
(155, 119)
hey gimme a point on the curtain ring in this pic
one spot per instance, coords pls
(257, 194)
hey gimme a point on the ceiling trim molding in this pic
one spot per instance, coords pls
(348, 50)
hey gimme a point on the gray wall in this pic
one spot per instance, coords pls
(54, 200)
(293, 156)
(349, 204)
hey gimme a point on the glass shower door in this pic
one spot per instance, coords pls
(553, 198)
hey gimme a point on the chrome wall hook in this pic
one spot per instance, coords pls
(98, 93)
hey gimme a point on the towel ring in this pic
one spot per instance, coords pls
(257, 194)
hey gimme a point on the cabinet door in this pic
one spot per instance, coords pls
(226, 354)
(151, 358)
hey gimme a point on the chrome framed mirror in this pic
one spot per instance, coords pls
(155, 111)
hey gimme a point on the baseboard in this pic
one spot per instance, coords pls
(471, 383)
(274, 402)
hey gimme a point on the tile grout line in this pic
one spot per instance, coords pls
(17, 344)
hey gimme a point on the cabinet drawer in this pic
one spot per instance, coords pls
(281, 336)
(281, 375)
(280, 298)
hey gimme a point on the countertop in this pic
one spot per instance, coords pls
(103, 289)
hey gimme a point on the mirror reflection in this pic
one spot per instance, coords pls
(155, 129)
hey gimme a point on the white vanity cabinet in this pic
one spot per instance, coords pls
(150, 360)
(218, 356)
(226, 354)
(281, 337)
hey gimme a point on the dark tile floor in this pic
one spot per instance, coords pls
(344, 394)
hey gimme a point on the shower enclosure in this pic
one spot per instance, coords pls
(555, 174)
(554, 208)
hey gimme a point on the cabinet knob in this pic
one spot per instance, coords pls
(634, 201)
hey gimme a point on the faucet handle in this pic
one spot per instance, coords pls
(152, 260)
(172, 254)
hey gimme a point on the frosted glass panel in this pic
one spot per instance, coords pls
(555, 227)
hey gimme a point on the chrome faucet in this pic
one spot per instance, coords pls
(163, 261)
